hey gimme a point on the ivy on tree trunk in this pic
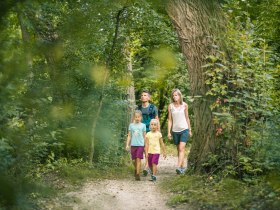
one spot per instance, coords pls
(197, 23)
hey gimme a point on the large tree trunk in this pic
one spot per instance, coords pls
(197, 23)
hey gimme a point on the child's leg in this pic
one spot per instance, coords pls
(153, 163)
(154, 169)
(134, 164)
(138, 165)
(146, 163)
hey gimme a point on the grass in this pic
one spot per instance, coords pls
(198, 192)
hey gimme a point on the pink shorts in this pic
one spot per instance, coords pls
(153, 159)
(137, 152)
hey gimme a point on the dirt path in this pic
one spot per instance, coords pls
(121, 194)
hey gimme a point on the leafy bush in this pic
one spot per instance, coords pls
(242, 80)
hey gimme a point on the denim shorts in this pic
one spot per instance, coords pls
(181, 136)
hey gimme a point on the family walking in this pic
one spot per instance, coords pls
(145, 138)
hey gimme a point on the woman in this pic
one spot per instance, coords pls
(178, 120)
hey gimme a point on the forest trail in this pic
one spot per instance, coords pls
(124, 194)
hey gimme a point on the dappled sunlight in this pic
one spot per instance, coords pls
(62, 112)
(164, 62)
(99, 74)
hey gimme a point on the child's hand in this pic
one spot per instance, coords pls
(127, 148)
(164, 156)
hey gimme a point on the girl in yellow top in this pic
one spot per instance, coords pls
(152, 146)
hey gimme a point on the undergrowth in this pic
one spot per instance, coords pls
(200, 192)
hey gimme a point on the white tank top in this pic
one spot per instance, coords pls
(179, 122)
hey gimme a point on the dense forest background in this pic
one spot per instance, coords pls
(72, 71)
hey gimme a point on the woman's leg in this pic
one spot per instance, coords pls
(181, 153)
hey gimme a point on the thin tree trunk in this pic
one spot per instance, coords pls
(26, 44)
(106, 76)
(196, 22)
(131, 89)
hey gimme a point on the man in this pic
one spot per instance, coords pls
(149, 111)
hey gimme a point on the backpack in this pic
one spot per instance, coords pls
(147, 117)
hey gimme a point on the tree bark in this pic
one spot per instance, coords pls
(131, 89)
(197, 24)
(25, 38)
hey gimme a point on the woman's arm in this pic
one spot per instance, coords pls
(188, 119)
(169, 122)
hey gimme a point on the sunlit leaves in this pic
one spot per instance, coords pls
(165, 58)
(99, 74)
(62, 112)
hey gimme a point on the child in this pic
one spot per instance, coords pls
(149, 112)
(135, 142)
(153, 144)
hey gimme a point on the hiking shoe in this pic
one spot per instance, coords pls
(153, 178)
(145, 172)
(137, 177)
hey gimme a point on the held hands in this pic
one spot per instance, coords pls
(127, 148)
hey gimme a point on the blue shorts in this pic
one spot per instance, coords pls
(182, 136)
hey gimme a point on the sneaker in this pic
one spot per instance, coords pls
(145, 172)
(137, 177)
(183, 170)
(178, 170)
(153, 178)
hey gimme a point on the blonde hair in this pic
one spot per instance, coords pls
(176, 90)
(156, 121)
(137, 112)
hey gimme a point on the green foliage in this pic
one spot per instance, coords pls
(242, 80)
(208, 193)
(5, 155)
